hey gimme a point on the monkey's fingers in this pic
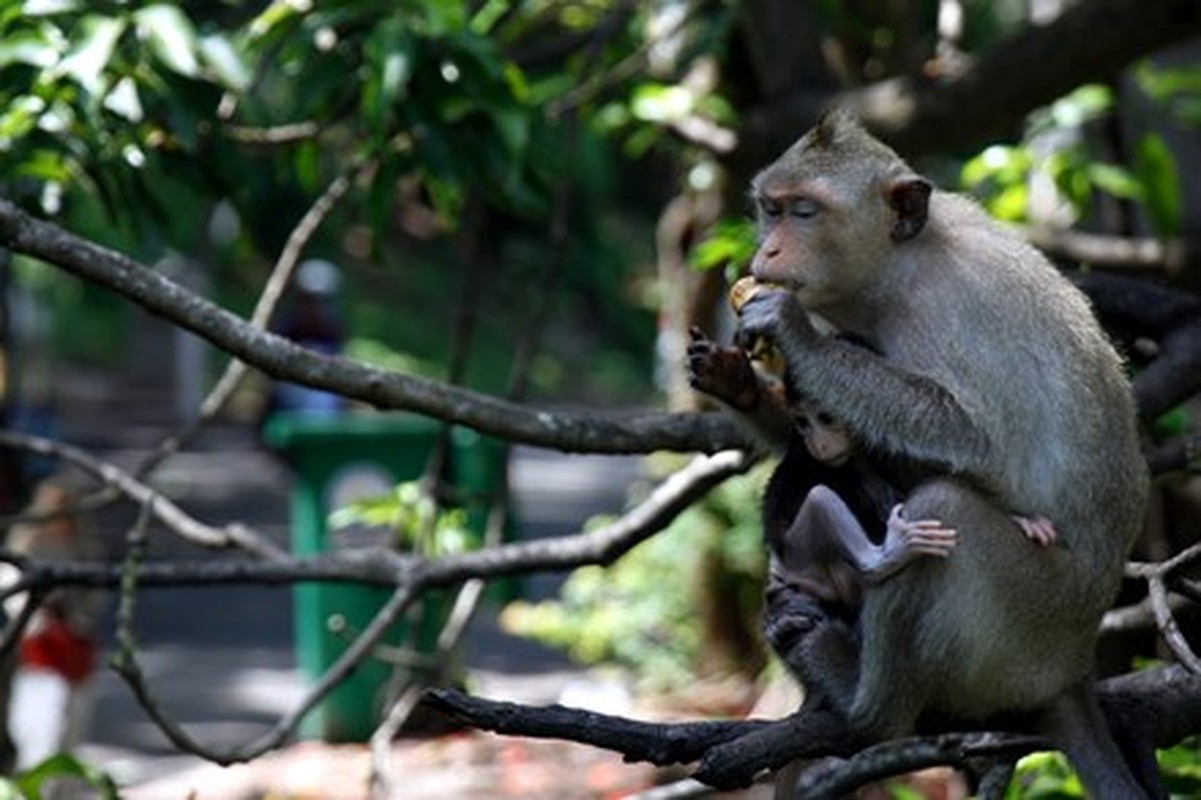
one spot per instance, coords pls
(933, 543)
(1037, 529)
(927, 525)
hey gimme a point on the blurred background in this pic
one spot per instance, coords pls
(535, 200)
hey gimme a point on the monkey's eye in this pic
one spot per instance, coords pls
(804, 208)
(803, 423)
(824, 419)
(772, 209)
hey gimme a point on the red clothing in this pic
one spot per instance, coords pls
(54, 646)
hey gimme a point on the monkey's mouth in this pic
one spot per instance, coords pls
(748, 286)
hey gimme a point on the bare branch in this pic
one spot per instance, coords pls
(275, 135)
(1160, 706)
(411, 575)
(1166, 622)
(907, 755)
(605, 544)
(1157, 576)
(171, 515)
(993, 92)
(600, 546)
(369, 566)
(1179, 455)
(660, 743)
(1165, 256)
(281, 275)
(589, 431)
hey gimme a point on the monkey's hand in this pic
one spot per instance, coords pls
(722, 372)
(1039, 530)
(905, 541)
(773, 315)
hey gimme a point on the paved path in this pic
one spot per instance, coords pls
(222, 659)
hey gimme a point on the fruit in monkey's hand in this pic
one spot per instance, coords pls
(760, 351)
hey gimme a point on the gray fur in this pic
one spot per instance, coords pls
(994, 366)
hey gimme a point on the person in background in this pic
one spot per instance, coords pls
(312, 322)
(57, 652)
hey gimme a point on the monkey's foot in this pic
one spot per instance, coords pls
(790, 616)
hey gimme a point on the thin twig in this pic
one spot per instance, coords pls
(281, 275)
(381, 780)
(171, 515)
(275, 135)
(413, 576)
(907, 755)
(1156, 575)
(574, 431)
(14, 629)
(1166, 622)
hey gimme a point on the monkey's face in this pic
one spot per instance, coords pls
(831, 211)
(820, 239)
(827, 440)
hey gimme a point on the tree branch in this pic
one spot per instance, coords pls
(1168, 257)
(588, 431)
(233, 535)
(988, 98)
(410, 575)
(1162, 706)
(281, 275)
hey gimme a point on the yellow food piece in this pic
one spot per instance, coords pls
(742, 291)
(761, 352)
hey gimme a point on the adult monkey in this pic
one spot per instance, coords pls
(990, 363)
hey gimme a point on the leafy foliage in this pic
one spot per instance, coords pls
(418, 522)
(1054, 147)
(641, 612)
(39, 781)
(89, 95)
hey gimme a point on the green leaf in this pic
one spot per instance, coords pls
(1086, 103)
(729, 242)
(388, 59)
(39, 8)
(444, 17)
(63, 765)
(87, 62)
(1163, 193)
(171, 37)
(491, 12)
(28, 47)
(658, 103)
(19, 119)
(123, 100)
(513, 125)
(1011, 203)
(224, 61)
(1115, 180)
(1000, 163)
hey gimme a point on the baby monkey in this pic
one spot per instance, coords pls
(827, 552)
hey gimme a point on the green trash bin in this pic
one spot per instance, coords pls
(336, 460)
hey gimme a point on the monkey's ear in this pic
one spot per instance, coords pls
(910, 199)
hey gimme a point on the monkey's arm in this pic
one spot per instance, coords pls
(826, 538)
(727, 375)
(886, 407)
